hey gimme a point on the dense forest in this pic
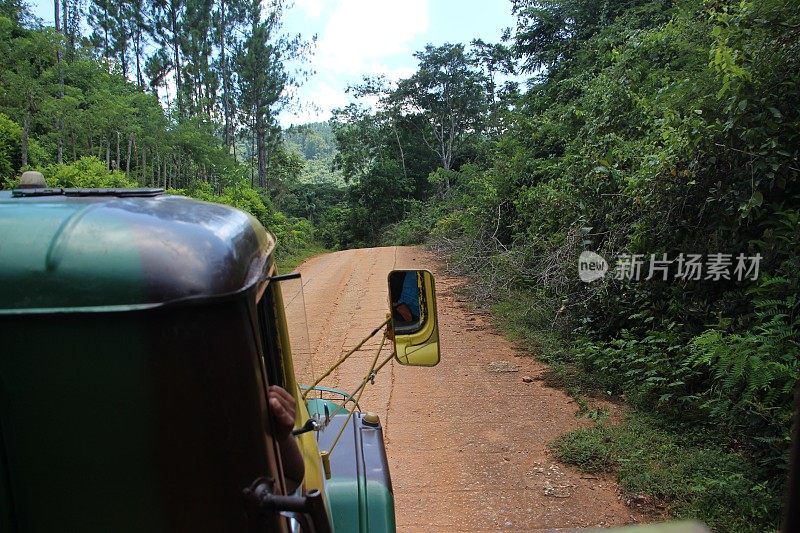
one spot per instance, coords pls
(640, 130)
(182, 95)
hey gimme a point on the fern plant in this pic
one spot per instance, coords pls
(753, 373)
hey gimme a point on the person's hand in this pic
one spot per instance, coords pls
(282, 405)
(283, 408)
(405, 312)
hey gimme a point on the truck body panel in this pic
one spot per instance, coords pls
(140, 332)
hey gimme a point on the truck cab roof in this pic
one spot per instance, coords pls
(70, 249)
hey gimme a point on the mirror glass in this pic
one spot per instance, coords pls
(412, 303)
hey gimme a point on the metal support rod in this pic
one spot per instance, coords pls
(345, 356)
(360, 391)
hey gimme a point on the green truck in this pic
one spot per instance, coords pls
(140, 333)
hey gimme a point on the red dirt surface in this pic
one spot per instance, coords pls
(467, 447)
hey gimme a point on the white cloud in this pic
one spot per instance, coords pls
(356, 38)
(312, 8)
(318, 101)
(361, 34)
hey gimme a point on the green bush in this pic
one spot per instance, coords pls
(87, 172)
(9, 147)
(414, 229)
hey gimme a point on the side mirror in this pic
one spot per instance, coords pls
(412, 303)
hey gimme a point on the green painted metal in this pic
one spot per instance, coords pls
(316, 408)
(359, 490)
(344, 503)
(106, 301)
(65, 255)
(141, 421)
(375, 512)
(380, 507)
(130, 382)
(68, 254)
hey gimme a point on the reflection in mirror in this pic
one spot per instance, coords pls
(412, 301)
(404, 287)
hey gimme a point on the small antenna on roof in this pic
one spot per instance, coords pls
(32, 180)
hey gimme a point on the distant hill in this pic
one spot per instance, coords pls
(314, 140)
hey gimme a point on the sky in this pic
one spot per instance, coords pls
(357, 38)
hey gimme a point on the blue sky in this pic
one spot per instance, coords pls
(371, 37)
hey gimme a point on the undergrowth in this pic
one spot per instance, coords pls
(718, 460)
(677, 469)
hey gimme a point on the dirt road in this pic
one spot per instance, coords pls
(467, 446)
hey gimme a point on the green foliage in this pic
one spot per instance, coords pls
(413, 229)
(425, 130)
(314, 140)
(9, 147)
(531, 319)
(673, 466)
(290, 262)
(87, 172)
(448, 95)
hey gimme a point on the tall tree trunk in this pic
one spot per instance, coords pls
(176, 52)
(128, 159)
(402, 154)
(223, 65)
(59, 118)
(69, 17)
(65, 17)
(262, 159)
(108, 153)
(123, 57)
(252, 152)
(137, 44)
(118, 154)
(105, 37)
(23, 139)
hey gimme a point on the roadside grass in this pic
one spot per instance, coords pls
(534, 324)
(671, 468)
(667, 466)
(289, 263)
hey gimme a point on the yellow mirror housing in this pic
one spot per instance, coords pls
(414, 325)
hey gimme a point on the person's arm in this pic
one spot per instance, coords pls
(283, 410)
(409, 297)
(404, 311)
